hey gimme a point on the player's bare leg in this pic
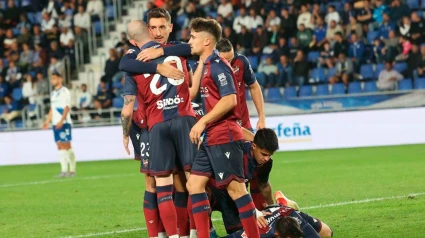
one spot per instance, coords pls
(200, 204)
(71, 158)
(180, 202)
(246, 208)
(167, 210)
(63, 157)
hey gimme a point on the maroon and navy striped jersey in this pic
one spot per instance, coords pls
(165, 98)
(244, 75)
(130, 88)
(217, 82)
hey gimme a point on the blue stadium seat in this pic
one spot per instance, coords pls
(254, 62)
(32, 107)
(366, 71)
(400, 66)
(181, 19)
(370, 87)
(405, 84)
(117, 85)
(261, 78)
(2, 107)
(378, 69)
(322, 90)
(37, 18)
(313, 56)
(420, 83)
(273, 94)
(247, 94)
(331, 72)
(354, 87)
(118, 102)
(306, 91)
(413, 4)
(264, 57)
(110, 12)
(98, 27)
(213, 15)
(371, 35)
(19, 123)
(338, 89)
(290, 92)
(318, 74)
(17, 94)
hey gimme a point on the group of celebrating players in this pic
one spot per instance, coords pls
(197, 159)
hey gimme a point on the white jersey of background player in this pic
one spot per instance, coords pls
(60, 105)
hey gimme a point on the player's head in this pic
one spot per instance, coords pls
(204, 34)
(138, 33)
(160, 26)
(288, 227)
(224, 46)
(56, 80)
(264, 145)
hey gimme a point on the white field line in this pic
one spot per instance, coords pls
(368, 200)
(64, 180)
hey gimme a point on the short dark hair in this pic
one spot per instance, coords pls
(224, 45)
(288, 227)
(200, 24)
(159, 13)
(266, 139)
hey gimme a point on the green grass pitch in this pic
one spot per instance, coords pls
(360, 192)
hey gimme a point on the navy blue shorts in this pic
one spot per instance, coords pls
(223, 163)
(221, 201)
(63, 134)
(140, 140)
(170, 147)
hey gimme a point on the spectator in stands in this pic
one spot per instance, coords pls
(285, 72)
(332, 15)
(12, 110)
(344, 70)
(365, 16)
(82, 19)
(29, 90)
(3, 68)
(11, 15)
(225, 9)
(354, 28)
(243, 41)
(4, 89)
(331, 31)
(55, 50)
(398, 10)
(39, 66)
(81, 3)
(14, 75)
(55, 65)
(275, 35)
(347, 13)
(39, 53)
(404, 28)
(26, 56)
(305, 18)
(38, 37)
(406, 45)
(52, 9)
(282, 47)
(67, 40)
(241, 20)
(47, 23)
(112, 72)
(255, 20)
(388, 77)
(386, 26)
(378, 12)
(2, 37)
(316, 13)
(287, 23)
(272, 20)
(63, 22)
(301, 69)
(356, 50)
(24, 37)
(413, 62)
(228, 34)
(9, 39)
(293, 51)
(84, 98)
(54, 34)
(100, 112)
(42, 86)
(259, 40)
(192, 12)
(270, 70)
(390, 50)
(123, 41)
(23, 22)
(417, 28)
(96, 9)
(304, 36)
(104, 96)
(320, 33)
(378, 56)
(325, 58)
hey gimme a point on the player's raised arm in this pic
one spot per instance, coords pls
(182, 49)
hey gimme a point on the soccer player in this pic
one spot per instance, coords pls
(284, 221)
(169, 117)
(59, 116)
(220, 155)
(244, 75)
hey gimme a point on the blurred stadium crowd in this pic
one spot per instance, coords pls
(303, 48)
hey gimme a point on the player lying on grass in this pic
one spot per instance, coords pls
(286, 222)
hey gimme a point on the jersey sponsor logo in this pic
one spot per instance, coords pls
(222, 78)
(169, 103)
(227, 154)
(272, 218)
(204, 92)
(221, 175)
(130, 51)
(137, 136)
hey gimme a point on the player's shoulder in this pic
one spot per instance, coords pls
(219, 63)
(246, 146)
(242, 58)
(170, 43)
(64, 90)
(132, 50)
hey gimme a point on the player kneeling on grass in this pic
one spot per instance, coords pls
(60, 100)
(286, 222)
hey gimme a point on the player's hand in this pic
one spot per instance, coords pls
(196, 132)
(261, 220)
(169, 71)
(261, 123)
(59, 125)
(45, 125)
(150, 54)
(125, 141)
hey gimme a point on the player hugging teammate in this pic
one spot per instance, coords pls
(166, 135)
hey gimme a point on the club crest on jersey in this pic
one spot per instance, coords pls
(235, 69)
(145, 163)
(222, 78)
(205, 71)
(130, 51)
(244, 235)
